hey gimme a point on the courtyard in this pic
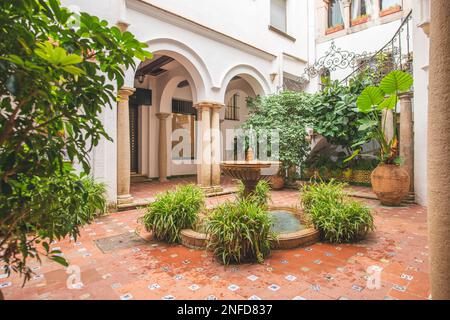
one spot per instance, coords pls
(149, 269)
(288, 150)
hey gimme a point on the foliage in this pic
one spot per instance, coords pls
(96, 191)
(335, 113)
(338, 218)
(377, 99)
(58, 71)
(240, 232)
(173, 211)
(46, 209)
(261, 196)
(289, 113)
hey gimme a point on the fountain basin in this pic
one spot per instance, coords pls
(249, 172)
(294, 231)
(292, 228)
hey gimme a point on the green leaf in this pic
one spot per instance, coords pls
(60, 260)
(389, 103)
(370, 97)
(367, 124)
(71, 59)
(396, 81)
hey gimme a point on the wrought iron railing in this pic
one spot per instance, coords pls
(395, 55)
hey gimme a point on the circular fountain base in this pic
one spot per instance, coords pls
(292, 229)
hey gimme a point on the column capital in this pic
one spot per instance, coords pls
(406, 95)
(125, 93)
(203, 104)
(208, 104)
(218, 106)
(162, 115)
(346, 3)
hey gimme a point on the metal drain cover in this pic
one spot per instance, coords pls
(121, 241)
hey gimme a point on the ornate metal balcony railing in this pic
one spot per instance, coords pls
(396, 54)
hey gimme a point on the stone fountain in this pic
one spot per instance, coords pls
(248, 171)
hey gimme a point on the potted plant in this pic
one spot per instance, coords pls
(390, 10)
(390, 181)
(360, 20)
(334, 29)
(277, 181)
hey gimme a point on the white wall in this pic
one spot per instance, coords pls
(421, 60)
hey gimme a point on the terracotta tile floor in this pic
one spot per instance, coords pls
(148, 190)
(155, 270)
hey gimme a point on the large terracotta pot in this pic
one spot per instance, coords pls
(390, 183)
(276, 182)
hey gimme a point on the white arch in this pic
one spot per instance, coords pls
(188, 58)
(250, 74)
(165, 104)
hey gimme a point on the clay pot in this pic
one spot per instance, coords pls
(390, 183)
(276, 182)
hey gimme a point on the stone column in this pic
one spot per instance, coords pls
(162, 155)
(376, 9)
(439, 151)
(407, 135)
(204, 160)
(123, 147)
(346, 14)
(215, 145)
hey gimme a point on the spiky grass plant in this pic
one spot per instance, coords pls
(338, 218)
(240, 232)
(173, 211)
(260, 196)
(95, 195)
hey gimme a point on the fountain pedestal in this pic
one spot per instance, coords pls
(249, 172)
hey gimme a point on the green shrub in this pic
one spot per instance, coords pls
(240, 232)
(338, 218)
(173, 211)
(261, 195)
(96, 195)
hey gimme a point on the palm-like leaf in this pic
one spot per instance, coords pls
(370, 97)
(396, 81)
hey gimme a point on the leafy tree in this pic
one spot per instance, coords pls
(290, 114)
(57, 74)
(336, 116)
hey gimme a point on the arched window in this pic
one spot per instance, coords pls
(335, 9)
(390, 4)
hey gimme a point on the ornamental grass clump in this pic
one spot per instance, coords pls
(96, 200)
(173, 211)
(240, 232)
(260, 196)
(338, 218)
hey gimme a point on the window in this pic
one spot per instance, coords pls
(390, 4)
(232, 110)
(278, 14)
(184, 116)
(335, 9)
(361, 8)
